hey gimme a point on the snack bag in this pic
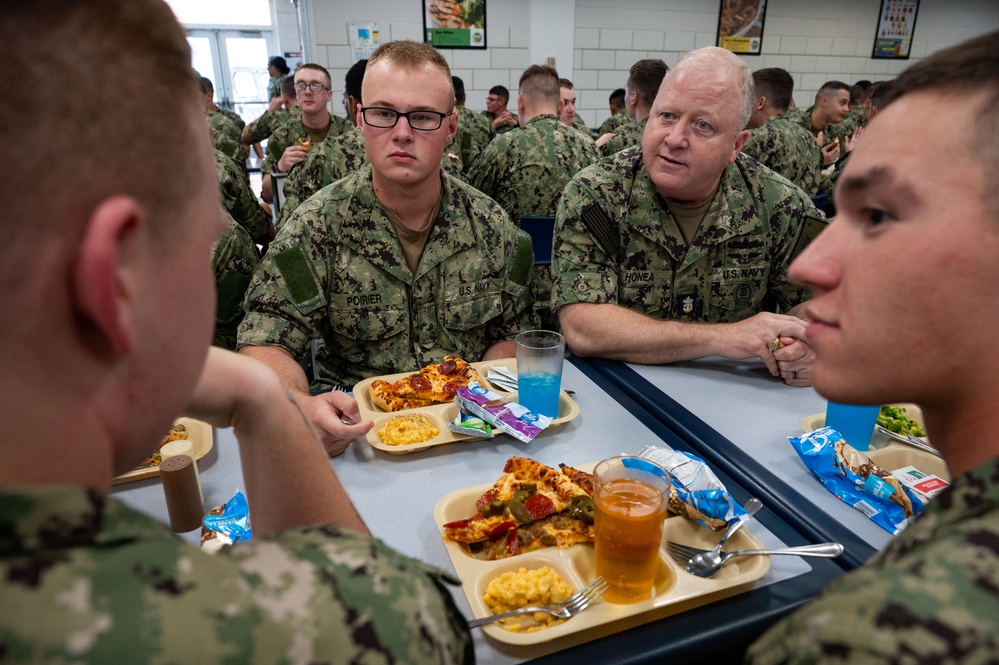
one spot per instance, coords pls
(226, 524)
(851, 476)
(697, 494)
(506, 416)
(470, 424)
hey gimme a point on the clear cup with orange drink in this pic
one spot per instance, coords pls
(630, 495)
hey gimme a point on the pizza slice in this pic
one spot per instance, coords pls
(434, 384)
(530, 507)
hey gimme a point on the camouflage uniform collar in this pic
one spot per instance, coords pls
(542, 117)
(732, 213)
(451, 233)
(45, 517)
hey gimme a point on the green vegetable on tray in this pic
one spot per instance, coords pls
(893, 419)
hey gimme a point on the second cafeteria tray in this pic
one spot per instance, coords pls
(441, 414)
(675, 588)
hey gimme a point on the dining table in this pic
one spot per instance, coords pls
(396, 496)
(739, 417)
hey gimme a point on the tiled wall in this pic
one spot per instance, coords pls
(815, 40)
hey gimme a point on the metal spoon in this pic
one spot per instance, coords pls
(751, 507)
(707, 564)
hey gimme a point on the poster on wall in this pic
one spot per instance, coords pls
(896, 22)
(740, 25)
(364, 39)
(454, 23)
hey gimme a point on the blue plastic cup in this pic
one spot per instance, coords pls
(855, 422)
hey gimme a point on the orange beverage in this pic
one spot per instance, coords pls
(629, 525)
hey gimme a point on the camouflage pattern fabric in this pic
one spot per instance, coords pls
(931, 596)
(236, 118)
(505, 127)
(612, 123)
(226, 137)
(337, 272)
(731, 265)
(238, 199)
(335, 158)
(627, 136)
(267, 124)
(473, 135)
(85, 579)
(579, 125)
(525, 171)
(293, 131)
(274, 86)
(789, 150)
(234, 258)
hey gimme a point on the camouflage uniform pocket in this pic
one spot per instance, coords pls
(473, 312)
(367, 323)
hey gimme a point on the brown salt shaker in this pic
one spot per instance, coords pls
(183, 493)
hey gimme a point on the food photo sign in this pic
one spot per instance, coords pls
(896, 22)
(740, 25)
(454, 23)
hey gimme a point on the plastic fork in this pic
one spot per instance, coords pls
(571, 606)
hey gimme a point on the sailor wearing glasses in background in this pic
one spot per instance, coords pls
(284, 147)
(395, 266)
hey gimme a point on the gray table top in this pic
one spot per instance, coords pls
(757, 413)
(396, 494)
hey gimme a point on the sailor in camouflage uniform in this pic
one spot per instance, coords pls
(291, 142)
(644, 79)
(496, 114)
(83, 578)
(474, 132)
(239, 201)
(932, 595)
(688, 232)
(619, 114)
(775, 141)
(525, 171)
(234, 258)
(282, 109)
(397, 265)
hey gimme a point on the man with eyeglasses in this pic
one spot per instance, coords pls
(285, 146)
(395, 266)
(500, 120)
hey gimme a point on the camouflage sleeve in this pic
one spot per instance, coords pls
(582, 269)
(308, 178)
(356, 598)
(286, 300)
(263, 126)
(483, 173)
(234, 258)
(928, 597)
(794, 221)
(277, 142)
(240, 201)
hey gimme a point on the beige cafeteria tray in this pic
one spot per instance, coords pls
(441, 414)
(199, 433)
(890, 454)
(675, 589)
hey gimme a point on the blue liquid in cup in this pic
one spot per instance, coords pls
(855, 422)
(538, 392)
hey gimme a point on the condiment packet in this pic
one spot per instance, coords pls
(925, 485)
(506, 416)
(850, 475)
(471, 425)
(226, 524)
(695, 484)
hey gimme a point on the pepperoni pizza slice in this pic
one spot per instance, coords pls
(434, 384)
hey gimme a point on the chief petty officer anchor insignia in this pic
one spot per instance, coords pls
(687, 304)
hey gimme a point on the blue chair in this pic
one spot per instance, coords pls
(541, 229)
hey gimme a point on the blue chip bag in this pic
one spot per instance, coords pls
(850, 475)
(226, 524)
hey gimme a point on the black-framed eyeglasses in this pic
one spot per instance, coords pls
(314, 87)
(383, 118)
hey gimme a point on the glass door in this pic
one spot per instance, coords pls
(236, 63)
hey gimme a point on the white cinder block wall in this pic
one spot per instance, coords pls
(815, 40)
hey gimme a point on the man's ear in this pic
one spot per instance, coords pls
(522, 106)
(761, 103)
(740, 141)
(104, 277)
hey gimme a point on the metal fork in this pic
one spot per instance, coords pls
(571, 606)
(684, 553)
